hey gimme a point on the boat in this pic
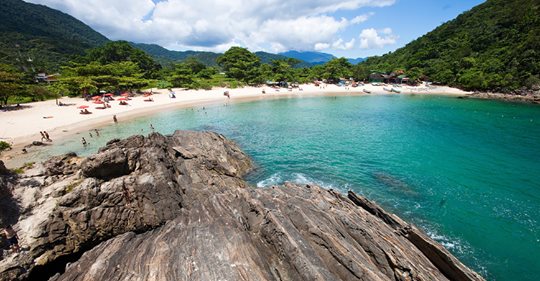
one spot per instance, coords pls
(387, 89)
(398, 91)
(366, 91)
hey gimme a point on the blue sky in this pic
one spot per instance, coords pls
(408, 19)
(350, 28)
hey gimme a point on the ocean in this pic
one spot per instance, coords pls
(465, 171)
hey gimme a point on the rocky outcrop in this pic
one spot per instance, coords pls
(176, 208)
(521, 96)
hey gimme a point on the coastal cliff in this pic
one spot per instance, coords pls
(177, 208)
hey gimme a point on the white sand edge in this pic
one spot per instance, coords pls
(21, 127)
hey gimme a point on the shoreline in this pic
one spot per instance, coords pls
(22, 127)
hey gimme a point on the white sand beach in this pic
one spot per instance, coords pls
(21, 127)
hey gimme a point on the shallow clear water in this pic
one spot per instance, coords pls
(466, 171)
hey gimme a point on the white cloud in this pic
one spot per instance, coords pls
(342, 45)
(370, 38)
(321, 46)
(361, 18)
(272, 25)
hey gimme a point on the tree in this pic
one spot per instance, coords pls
(415, 74)
(121, 51)
(188, 73)
(360, 72)
(241, 64)
(337, 68)
(10, 83)
(92, 77)
(283, 70)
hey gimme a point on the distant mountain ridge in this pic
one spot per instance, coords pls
(309, 57)
(315, 58)
(165, 56)
(36, 36)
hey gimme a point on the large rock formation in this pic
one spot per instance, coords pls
(177, 208)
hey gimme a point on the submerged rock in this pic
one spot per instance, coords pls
(176, 208)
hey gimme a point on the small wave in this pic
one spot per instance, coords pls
(454, 245)
(274, 179)
(300, 179)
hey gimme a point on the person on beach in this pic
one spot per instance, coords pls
(152, 127)
(172, 95)
(97, 132)
(12, 238)
(226, 93)
(114, 119)
(84, 143)
(90, 133)
(47, 136)
(42, 136)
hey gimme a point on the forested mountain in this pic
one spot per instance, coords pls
(165, 56)
(356, 60)
(494, 46)
(309, 57)
(269, 57)
(38, 37)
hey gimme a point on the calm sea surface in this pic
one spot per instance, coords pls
(466, 171)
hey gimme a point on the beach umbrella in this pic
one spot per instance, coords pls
(99, 102)
(83, 106)
(122, 99)
(96, 97)
(107, 95)
(125, 94)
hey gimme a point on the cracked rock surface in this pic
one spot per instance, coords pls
(177, 208)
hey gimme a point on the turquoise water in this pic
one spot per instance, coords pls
(466, 171)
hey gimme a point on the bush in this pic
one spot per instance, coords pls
(4, 146)
(164, 84)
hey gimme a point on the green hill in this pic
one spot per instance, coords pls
(313, 58)
(165, 56)
(269, 57)
(45, 36)
(494, 46)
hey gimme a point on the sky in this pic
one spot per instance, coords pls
(348, 28)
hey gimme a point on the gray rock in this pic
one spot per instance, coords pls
(3, 169)
(177, 208)
(61, 165)
(38, 143)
